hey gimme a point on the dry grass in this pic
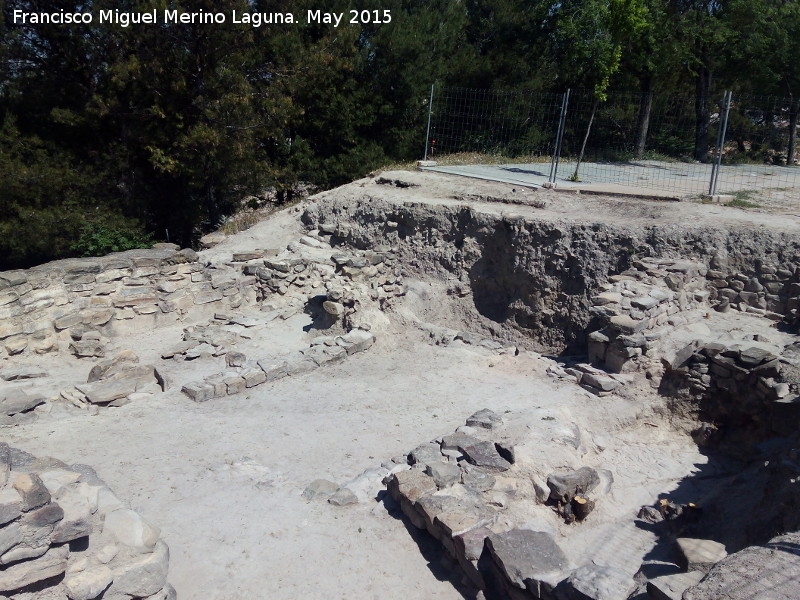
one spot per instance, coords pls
(248, 217)
(468, 158)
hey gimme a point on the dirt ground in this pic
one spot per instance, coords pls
(223, 479)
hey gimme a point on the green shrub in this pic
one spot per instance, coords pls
(107, 235)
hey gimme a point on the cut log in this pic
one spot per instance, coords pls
(581, 507)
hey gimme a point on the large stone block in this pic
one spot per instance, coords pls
(143, 576)
(129, 528)
(51, 564)
(564, 486)
(700, 555)
(598, 582)
(528, 559)
(89, 583)
(15, 401)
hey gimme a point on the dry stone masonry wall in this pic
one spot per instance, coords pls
(638, 305)
(74, 304)
(64, 535)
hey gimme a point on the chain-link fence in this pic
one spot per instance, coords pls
(666, 144)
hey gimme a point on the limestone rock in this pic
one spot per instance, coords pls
(485, 419)
(320, 488)
(16, 401)
(343, 497)
(700, 555)
(131, 529)
(235, 359)
(77, 520)
(444, 474)
(411, 484)
(564, 486)
(671, 587)
(10, 536)
(528, 559)
(23, 373)
(112, 366)
(198, 391)
(766, 572)
(48, 514)
(32, 490)
(356, 340)
(52, 563)
(88, 584)
(144, 576)
(23, 552)
(87, 348)
(335, 309)
(425, 454)
(601, 382)
(476, 478)
(485, 455)
(599, 582)
(10, 505)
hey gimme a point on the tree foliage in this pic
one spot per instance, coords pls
(112, 136)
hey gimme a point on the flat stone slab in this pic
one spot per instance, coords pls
(485, 455)
(17, 401)
(700, 555)
(103, 392)
(444, 474)
(425, 454)
(671, 587)
(626, 324)
(601, 382)
(484, 418)
(528, 556)
(600, 582)
(54, 562)
(343, 497)
(411, 484)
(765, 572)
(320, 488)
(22, 373)
(458, 441)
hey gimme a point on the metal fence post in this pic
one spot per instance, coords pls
(559, 138)
(721, 133)
(430, 112)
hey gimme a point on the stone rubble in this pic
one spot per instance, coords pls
(469, 490)
(64, 535)
(117, 382)
(324, 350)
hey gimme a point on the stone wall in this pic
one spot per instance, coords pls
(637, 305)
(71, 304)
(762, 287)
(64, 535)
(742, 393)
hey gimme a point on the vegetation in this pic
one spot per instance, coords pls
(743, 199)
(112, 136)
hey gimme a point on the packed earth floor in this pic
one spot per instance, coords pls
(372, 393)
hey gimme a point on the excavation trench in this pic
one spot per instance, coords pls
(628, 368)
(701, 319)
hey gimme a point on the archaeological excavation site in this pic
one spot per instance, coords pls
(413, 386)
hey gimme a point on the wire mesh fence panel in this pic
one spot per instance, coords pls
(635, 140)
(759, 159)
(673, 144)
(503, 125)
